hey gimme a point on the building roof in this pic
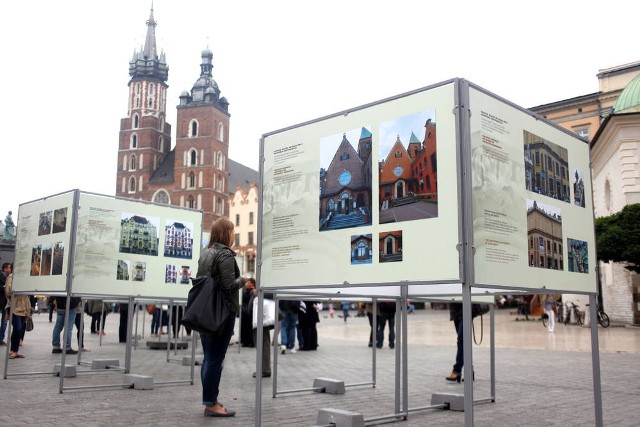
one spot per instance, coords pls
(164, 173)
(629, 99)
(241, 175)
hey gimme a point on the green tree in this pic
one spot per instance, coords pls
(618, 237)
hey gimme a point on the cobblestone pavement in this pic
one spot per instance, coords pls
(541, 378)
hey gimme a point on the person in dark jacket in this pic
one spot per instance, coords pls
(219, 261)
(387, 316)
(246, 331)
(307, 318)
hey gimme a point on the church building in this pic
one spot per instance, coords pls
(195, 172)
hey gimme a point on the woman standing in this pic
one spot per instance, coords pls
(21, 308)
(219, 261)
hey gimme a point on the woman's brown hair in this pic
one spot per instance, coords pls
(220, 232)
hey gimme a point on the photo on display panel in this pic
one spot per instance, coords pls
(138, 271)
(44, 225)
(577, 256)
(58, 259)
(122, 271)
(185, 274)
(578, 188)
(36, 257)
(60, 220)
(139, 234)
(345, 180)
(408, 166)
(45, 264)
(546, 167)
(361, 249)
(390, 243)
(544, 232)
(171, 274)
(178, 239)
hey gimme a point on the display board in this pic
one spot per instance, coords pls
(533, 221)
(43, 244)
(363, 197)
(122, 247)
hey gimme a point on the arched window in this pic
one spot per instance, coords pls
(193, 157)
(160, 144)
(161, 197)
(191, 202)
(136, 121)
(607, 195)
(132, 185)
(193, 129)
(219, 160)
(161, 124)
(221, 132)
(133, 144)
(137, 96)
(132, 163)
(151, 88)
(192, 180)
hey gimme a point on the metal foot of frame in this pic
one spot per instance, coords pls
(454, 402)
(69, 370)
(139, 382)
(339, 418)
(328, 385)
(104, 363)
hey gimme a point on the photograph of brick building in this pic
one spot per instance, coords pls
(345, 180)
(390, 243)
(408, 185)
(361, 249)
(544, 231)
(546, 167)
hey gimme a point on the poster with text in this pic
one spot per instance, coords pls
(342, 206)
(532, 222)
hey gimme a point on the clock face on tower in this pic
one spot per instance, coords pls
(345, 177)
(398, 171)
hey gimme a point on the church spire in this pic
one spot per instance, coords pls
(150, 50)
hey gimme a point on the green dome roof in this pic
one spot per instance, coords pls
(629, 99)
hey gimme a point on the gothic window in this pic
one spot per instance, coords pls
(398, 154)
(161, 144)
(192, 180)
(150, 101)
(250, 217)
(344, 156)
(193, 129)
(193, 157)
(132, 185)
(221, 132)
(237, 220)
(151, 88)
(219, 160)
(191, 202)
(135, 121)
(161, 197)
(133, 144)
(137, 96)
(132, 162)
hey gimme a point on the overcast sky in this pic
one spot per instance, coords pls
(65, 64)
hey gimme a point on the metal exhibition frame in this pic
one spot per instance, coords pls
(484, 129)
(100, 224)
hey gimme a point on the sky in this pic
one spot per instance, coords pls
(64, 75)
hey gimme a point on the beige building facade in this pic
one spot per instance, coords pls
(243, 212)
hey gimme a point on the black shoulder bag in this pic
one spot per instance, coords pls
(207, 308)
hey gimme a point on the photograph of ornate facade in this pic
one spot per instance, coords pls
(577, 256)
(390, 246)
(178, 240)
(544, 230)
(47, 254)
(58, 259)
(122, 272)
(170, 274)
(546, 167)
(139, 271)
(44, 227)
(345, 181)
(361, 250)
(408, 187)
(138, 235)
(60, 220)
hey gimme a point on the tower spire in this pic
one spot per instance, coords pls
(150, 50)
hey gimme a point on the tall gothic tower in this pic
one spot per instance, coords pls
(145, 137)
(195, 172)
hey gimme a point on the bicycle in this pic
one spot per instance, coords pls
(603, 318)
(572, 308)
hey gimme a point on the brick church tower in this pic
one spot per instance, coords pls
(195, 172)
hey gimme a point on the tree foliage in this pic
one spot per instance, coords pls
(618, 237)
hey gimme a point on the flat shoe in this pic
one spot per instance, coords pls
(210, 413)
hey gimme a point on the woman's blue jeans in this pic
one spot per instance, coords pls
(215, 349)
(19, 325)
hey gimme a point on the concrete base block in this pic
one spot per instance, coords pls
(186, 361)
(139, 382)
(162, 345)
(104, 363)
(455, 401)
(69, 370)
(329, 385)
(339, 418)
